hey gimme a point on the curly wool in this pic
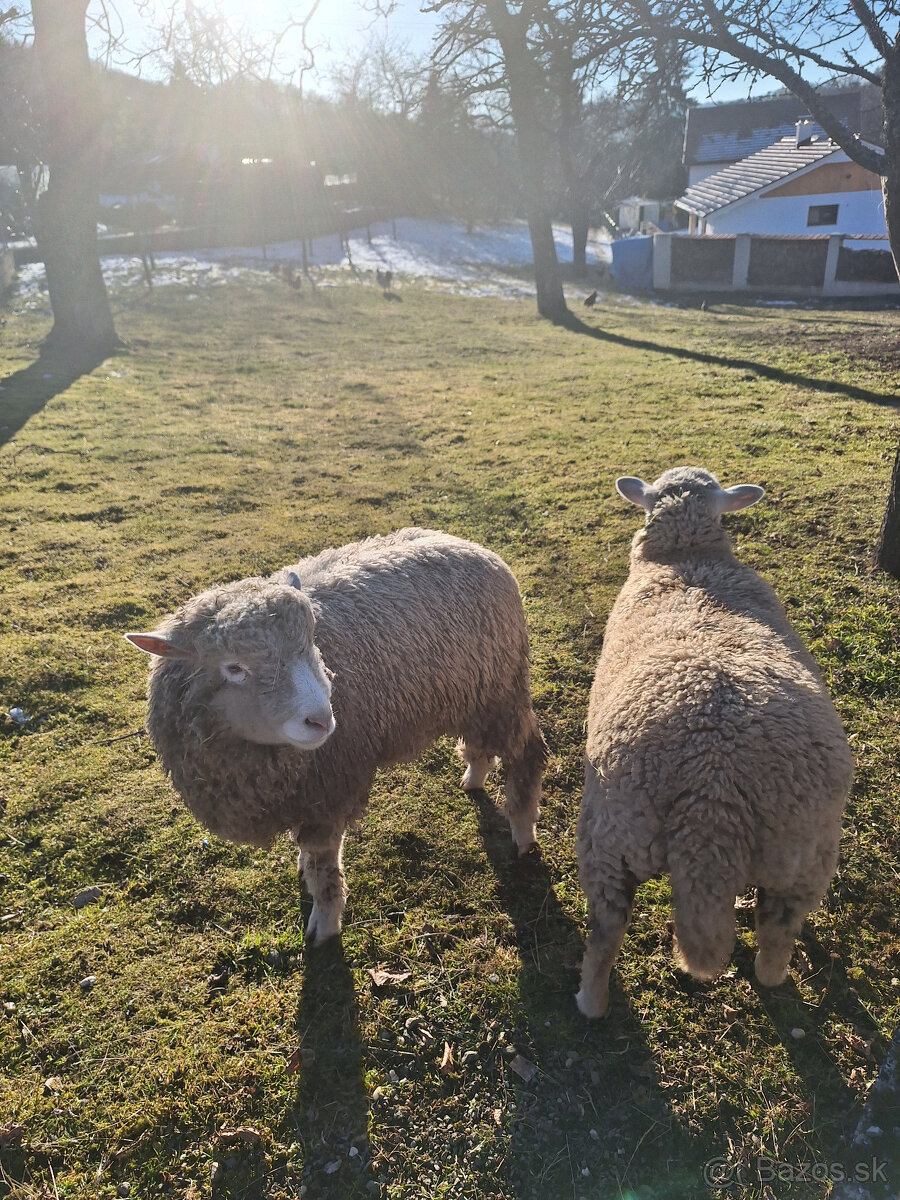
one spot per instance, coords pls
(426, 636)
(714, 752)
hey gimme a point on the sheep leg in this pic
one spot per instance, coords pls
(524, 768)
(779, 919)
(322, 871)
(610, 912)
(478, 764)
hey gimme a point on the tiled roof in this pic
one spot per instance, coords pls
(728, 147)
(743, 178)
(771, 117)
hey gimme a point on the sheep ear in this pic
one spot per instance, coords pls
(733, 499)
(634, 489)
(155, 643)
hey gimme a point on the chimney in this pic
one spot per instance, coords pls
(804, 131)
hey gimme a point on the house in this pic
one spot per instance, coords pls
(716, 135)
(802, 184)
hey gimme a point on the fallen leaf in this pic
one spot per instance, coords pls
(380, 977)
(447, 1059)
(293, 1063)
(10, 1135)
(525, 1070)
(242, 1134)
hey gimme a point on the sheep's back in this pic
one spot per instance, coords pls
(713, 691)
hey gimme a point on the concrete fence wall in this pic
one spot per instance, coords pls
(827, 265)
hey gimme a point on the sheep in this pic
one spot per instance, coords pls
(272, 701)
(714, 752)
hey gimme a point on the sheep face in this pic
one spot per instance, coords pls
(248, 656)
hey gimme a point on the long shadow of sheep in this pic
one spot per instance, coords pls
(776, 374)
(595, 1098)
(24, 393)
(329, 1118)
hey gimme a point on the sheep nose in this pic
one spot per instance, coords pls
(321, 721)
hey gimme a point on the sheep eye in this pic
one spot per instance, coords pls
(233, 672)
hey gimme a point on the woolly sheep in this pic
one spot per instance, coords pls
(714, 752)
(272, 701)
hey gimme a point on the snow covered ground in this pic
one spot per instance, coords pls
(442, 254)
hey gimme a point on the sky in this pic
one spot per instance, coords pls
(336, 26)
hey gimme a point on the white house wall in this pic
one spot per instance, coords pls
(858, 212)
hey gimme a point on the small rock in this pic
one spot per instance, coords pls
(585, 1171)
(798, 1034)
(331, 1167)
(493, 978)
(124, 1189)
(88, 895)
(9, 1006)
(594, 1135)
(572, 1058)
(378, 1093)
(88, 982)
(19, 715)
(353, 1152)
(273, 958)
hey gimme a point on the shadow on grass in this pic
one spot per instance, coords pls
(330, 1114)
(594, 1121)
(26, 392)
(776, 374)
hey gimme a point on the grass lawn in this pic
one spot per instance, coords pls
(212, 1055)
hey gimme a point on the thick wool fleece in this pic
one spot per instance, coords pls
(714, 752)
(426, 636)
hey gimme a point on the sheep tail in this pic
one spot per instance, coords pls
(706, 868)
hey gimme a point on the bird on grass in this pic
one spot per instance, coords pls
(384, 278)
(591, 300)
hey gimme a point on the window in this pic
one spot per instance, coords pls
(822, 214)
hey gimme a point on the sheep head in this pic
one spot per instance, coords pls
(683, 508)
(245, 654)
(681, 483)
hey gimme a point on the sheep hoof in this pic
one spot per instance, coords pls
(590, 1007)
(475, 776)
(767, 973)
(321, 926)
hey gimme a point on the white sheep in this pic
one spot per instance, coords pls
(714, 752)
(273, 701)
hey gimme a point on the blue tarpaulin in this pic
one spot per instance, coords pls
(632, 263)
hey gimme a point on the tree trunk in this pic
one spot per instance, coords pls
(66, 225)
(580, 229)
(890, 98)
(887, 550)
(525, 86)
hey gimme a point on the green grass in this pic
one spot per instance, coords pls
(250, 426)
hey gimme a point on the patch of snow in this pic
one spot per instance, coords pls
(443, 255)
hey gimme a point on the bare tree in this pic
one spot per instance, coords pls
(797, 43)
(500, 44)
(384, 74)
(65, 132)
(66, 212)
